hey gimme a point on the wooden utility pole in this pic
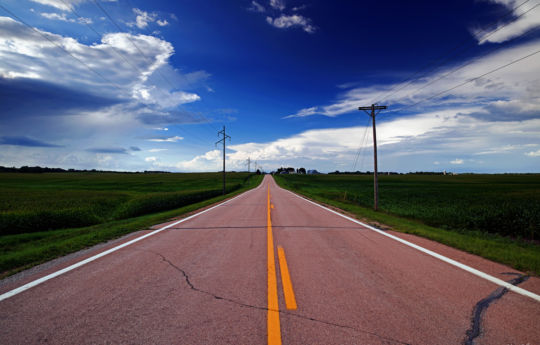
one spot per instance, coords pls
(375, 179)
(225, 136)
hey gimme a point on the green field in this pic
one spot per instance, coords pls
(43, 216)
(495, 216)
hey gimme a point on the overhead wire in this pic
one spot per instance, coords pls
(61, 48)
(124, 58)
(443, 59)
(362, 143)
(467, 81)
(201, 117)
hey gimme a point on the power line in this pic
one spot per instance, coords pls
(203, 118)
(444, 59)
(61, 47)
(362, 143)
(468, 81)
(72, 10)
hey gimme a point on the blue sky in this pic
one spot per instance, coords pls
(137, 85)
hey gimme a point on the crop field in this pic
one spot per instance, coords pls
(45, 215)
(505, 204)
(495, 216)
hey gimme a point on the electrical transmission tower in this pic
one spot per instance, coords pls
(372, 113)
(249, 163)
(225, 136)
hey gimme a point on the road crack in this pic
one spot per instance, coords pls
(283, 312)
(482, 306)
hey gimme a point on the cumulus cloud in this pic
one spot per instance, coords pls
(143, 18)
(285, 21)
(405, 143)
(525, 17)
(25, 53)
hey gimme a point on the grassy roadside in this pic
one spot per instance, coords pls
(21, 251)
(519, 254)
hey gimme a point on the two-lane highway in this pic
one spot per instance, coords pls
(271, 267)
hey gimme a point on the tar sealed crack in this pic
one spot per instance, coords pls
(244, 305)
(481, 307)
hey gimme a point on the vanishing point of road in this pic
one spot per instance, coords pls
(269, 267)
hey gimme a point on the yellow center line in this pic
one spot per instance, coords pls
(290, 300)
(274, 331)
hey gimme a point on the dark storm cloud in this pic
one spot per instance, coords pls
(29, 97)
(24, 141)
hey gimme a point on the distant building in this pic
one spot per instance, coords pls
(313, 172)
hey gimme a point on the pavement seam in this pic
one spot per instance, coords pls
(245, 305)
(481, 307)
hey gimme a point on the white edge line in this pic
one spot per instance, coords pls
(36, 282)
(438, 256)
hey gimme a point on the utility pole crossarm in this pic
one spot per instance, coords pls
(376, 107)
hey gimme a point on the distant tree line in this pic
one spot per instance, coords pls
(38, 169)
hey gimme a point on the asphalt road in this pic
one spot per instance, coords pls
(304, 275)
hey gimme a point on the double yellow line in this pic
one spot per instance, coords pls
(273, 325)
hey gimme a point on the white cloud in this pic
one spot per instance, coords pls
(150, 159)
(303, 112)
(256, 7)
(25, 53)
(163, 22)
(507, 93)
(167, 140)
(63, 17)
(157, 150)
(410, 143)
(64, 5)
(528, 17)
(55, 16)
(143, 18)
(533, 153)
(207, 162)
(285, 21)
(278, 4)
